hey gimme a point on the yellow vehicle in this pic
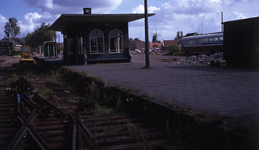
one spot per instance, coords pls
(26, 54)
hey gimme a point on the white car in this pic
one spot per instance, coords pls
(137, 51)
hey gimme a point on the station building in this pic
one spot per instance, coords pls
(95, 37)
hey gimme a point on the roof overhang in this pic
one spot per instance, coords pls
(67, 20)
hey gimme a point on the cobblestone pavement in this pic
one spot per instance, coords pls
(229, 92)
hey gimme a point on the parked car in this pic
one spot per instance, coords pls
(137, 51)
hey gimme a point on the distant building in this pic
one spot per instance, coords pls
(167, 44)
(180, 34)
(153, 46)
(6, 47)
(140, 45)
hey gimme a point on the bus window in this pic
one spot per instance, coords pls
(221, 40)
(198, 42)
(204, 41)
(210, 40)
(186, 43)
(191, 42)
(216, 40)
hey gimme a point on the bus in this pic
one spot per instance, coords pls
(202, 44)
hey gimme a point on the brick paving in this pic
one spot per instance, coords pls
(229, 92)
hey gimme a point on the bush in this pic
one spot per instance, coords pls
(174, 50)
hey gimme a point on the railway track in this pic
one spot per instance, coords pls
(29, 122)
(8, 125)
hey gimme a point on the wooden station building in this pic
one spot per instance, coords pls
(95, 37)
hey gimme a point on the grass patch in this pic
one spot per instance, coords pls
(103, 110)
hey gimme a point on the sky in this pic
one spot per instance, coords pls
(171, 16)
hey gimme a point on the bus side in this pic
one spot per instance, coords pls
(201, 45)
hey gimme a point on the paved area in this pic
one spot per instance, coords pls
(233, 93)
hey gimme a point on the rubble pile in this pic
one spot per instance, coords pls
(203, 60)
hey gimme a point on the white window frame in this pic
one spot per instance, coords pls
(90, 38)
(120, 44)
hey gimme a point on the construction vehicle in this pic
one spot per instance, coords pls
(26, 54)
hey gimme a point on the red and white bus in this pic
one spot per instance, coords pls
(202, 44)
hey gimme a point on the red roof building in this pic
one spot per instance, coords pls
(154, 45)
(168, 43)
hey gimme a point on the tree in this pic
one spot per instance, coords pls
(39, 36)
(174, 50)
(136, 39)
(130, 39)
(19, 40)
(11, 28)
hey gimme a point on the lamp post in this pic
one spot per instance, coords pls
(146, 36)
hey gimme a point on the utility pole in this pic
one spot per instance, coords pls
(146, 36)
(8, 25)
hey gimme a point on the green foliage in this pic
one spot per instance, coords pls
(174, 50)
(136, 39)
(19, 40)
(39, 36)
(11, 28)
(130, 39)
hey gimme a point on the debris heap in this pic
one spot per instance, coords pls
(203, 60)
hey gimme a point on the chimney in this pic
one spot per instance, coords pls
(87, 11)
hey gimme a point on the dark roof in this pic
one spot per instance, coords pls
(254, 18)
(66, 20)
(192, 34)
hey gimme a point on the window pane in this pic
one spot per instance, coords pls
(79, 45)
(115, 33)
(100, 45)
(210, 40)
(216, 40)
(82, 45)
(93, 45)
(204, 41)
(221, 40)
(96, 33)
(112, 44)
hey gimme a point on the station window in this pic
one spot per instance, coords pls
(2, 43)
(116, 41)
(97, 42)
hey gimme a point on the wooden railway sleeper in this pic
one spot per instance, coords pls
(34, 132)
(23, 129)
(84, 131)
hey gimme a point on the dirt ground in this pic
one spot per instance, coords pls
(8, 60)
(156, 57)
